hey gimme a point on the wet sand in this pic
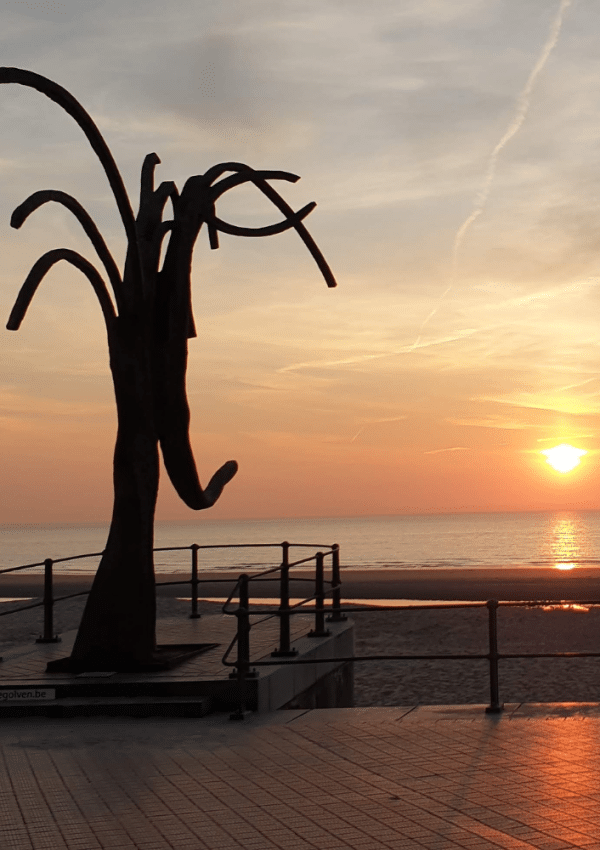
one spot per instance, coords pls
(479, 585)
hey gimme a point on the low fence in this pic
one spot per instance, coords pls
(247, 668)
(323, 590)
(49, 600)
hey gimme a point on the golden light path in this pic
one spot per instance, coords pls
(564, 458)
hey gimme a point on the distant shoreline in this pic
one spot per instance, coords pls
(540, 583)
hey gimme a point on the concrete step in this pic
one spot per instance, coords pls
(194, 706)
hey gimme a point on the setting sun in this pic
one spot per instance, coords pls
(564, 458)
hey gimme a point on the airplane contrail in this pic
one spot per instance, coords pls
(522, 108)
(523, 103)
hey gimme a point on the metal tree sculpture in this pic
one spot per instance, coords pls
(148, 324)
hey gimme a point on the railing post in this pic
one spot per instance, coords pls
(48, 636)
(284, 605)
(194, 582)
(336, 596)
(243, 671)
(319, 629)
(495, 706)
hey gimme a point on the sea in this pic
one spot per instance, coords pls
(565, 540)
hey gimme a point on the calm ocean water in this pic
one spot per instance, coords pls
(446, 541)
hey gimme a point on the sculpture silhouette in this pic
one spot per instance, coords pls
(148, 325)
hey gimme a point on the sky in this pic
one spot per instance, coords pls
(453, 150)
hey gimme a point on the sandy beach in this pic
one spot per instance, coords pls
(466, 584)
(404, 631)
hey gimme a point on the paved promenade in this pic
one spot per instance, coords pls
(409, 777)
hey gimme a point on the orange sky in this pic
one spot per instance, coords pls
(451, 149)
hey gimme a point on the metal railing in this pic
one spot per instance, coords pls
(247, 668)
(49, 599)
(242, 663)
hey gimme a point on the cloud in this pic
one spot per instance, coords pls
(373, 422)
(16, 406)
(451, 449)
(52, 10)
(211, 80)
(522, 108)
(523, 104)
(489, 422)
(365, 358)
(548, 401)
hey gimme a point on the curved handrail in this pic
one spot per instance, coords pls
(181, 548)
(49, 600)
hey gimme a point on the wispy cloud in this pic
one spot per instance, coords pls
(365, 358)
(489, 422)
(513, 128)
(17, 406)
(546, 401)
(574, 436)
(522, 108)
(373, 422)
(451, 449)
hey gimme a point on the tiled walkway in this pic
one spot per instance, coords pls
(367, 779)
(28, 662)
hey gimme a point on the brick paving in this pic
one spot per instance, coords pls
(194, 687)
(373, 778)
(27, 663)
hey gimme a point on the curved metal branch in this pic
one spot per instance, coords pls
(246, 174)
(167, 190)
(72, 106)
(227, 183)
(243, 175)
(38, 272)
(33, 202)
(151, 160)
(268, 230)
(162, 230)
(301, 230)
(221, 167)
(149, 224)
(174, 324)
(152, 201)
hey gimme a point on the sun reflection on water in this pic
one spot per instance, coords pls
(566, 544)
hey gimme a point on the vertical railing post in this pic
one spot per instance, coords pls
(319, 629)
(48, 636)
(284, 604)
(243, 671)
(336, 595)
(194, 582)
(495, 705)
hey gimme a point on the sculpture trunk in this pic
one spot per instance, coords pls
(118, 628)
(149, 320)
